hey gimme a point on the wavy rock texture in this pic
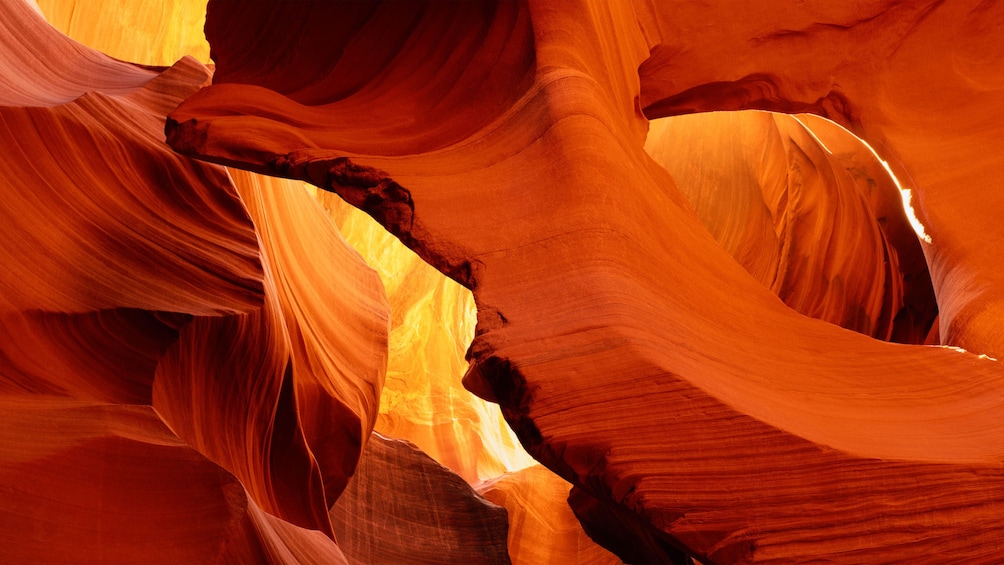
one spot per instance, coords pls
(810, 225)
(628, 350)
(542, 529)
(403, 507)
(434, 318)
(336, 315)
(929, 99)
(89, 482)
(432, 326)
(168, 388)
(885, 197)
(72, 71)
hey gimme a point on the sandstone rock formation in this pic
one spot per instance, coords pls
(631, 354)
(920, 81)
(165, 380)
(824, 231)
(147, 32)
(432, 324)
(192, 358)
(542, 528)
(418, 510)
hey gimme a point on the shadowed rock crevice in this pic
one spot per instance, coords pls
(403, 507)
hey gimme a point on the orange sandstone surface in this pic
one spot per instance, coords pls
(162, 402)
(735, 270)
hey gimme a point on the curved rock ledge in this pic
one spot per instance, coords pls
(630, 353)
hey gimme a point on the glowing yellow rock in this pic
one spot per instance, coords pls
(150, 32)
(432, 324)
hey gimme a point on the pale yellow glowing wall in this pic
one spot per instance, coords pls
(432, 324)
(150, 32)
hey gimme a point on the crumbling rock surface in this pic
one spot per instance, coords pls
(629, 351)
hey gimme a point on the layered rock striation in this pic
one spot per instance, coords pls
(686, 314)
(629, 351)
(165, 379)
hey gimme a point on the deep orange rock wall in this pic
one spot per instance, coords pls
(193, 357)
(920, 81)
(159, 397)
(824, 231)
(629, 352)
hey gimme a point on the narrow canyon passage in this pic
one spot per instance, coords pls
(519, 281)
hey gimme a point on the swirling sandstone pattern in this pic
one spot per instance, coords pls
(149, 32)
(920, 81)
(169, 393)
(824, 231)
(432, 324)
(191, 360)
(504, 143)
(542, 529)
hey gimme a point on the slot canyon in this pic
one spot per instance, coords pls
(502, 281)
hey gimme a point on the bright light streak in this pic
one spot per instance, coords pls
(918, 227)
(906, 194)
(813, 134)
(982, 356)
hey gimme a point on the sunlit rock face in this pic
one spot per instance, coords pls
(337, 373)
(920, 81)
(193, 360)
(148, 32)
(627, 348)
(432, 324)
(542, 529)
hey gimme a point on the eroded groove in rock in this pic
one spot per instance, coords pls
(791, 213)
(225, 390)
(96, 197)
(542, 528)
(885, 197)
(929, 101)
(432, 324)
(336, 315)
(633, 355)
(104, 356)
(442, 54)
(403, 507)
